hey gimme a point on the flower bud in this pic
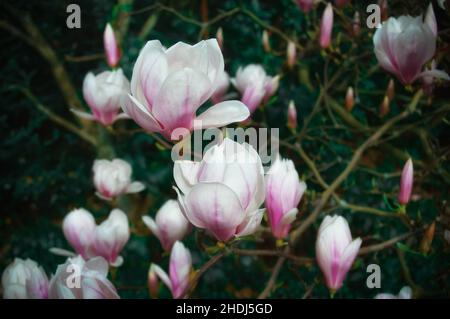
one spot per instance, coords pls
(305, 5)
(219, 37)
(390, 91)
(266, 41)
(427, 239)
(335, 250)
(169, 224)
(291, 54)
(384, 9)
(180, 267)
(112, 49)
(153, 283)
(406, 183)
(349, 99)
(385, 107)
(24, 279)
(292, 116)
(356, 24)
(326, 27)
(79, 230)
(341, 3)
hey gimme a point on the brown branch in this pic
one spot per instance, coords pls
(295, 235)
(273, 278)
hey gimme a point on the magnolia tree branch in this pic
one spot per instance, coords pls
(273, 278)
(295, 234)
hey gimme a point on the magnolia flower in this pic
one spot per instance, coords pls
(224, 191)
(305, 5)
(179, 270)
(430, 75)
(112, 50)
(113, 178)
(169, 224)
(24, 279)
(406, 183)
(79, 230)
(89, 240)
(254, 85)
(292, 116)
(349, 99)
(152, 283)
(326, 27)
(111, 236)
(80, 279)
(404, 45)
(335, 250)
(405, 293)
(284, 191)
(222, 87)
(102, 93)
(168, 86)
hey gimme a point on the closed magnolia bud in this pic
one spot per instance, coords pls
(219, 37)
(384, 9)
(349, 99)
(430, 20)
(291, 54)
(385, 107)
(326, 27)
(292, 116)
(284, 190)
(80, 279)
(112, 49)
(341, 3)
(113, 178)
(406, 183)
(24, 279)
(266, 41)
(169, 224)
(111, 236)
(356, 24)
(427, 239)
(180, 267)
(102, 93)
(305, 5)
(335, 250)
(79, 230)
(390, 91)
(153, 283)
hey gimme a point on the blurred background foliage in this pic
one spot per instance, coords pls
(47, 169)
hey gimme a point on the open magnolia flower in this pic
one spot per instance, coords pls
(169, 224)
(404, 45)
(113, 178)
(168, 87)
(102, 93)
(89, 240)
(284, 190)
(224, 191)
(180, 267)
(254, 85)
(24, 279)
(335, 250)
(80, 279)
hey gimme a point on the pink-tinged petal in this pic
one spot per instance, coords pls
(179, 98)
(430, 20)
(250, 223)
(347, 260)
(326, 27)
(185, 174)
(216, 207)
(223, 114)
(252, 97)
(406, 183)
(435, 74)
(289, 217)
(151, 224)
(179, 269)
(139, 114)
(162, 275)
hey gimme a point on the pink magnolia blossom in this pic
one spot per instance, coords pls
(254, 85)
(113, 178)
(102, 93)
(180, 267)
(284, 191)
(112, 49)
(326, 27)
(168, 87)
(335, 250)
(224, 191)
(169, 224)
(292, 116)
(406, 183)
(80, 279)
(24, 279)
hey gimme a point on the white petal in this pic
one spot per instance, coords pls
(223, 114)
(135, 187)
